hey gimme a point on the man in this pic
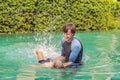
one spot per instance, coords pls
(72, 49)
(71, 53)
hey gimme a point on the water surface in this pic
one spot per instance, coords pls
(101, 56)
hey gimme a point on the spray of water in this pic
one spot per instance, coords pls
(21, 49)
(47, 46)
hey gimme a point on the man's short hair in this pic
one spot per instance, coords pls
(69, 26)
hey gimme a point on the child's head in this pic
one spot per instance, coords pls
(69, 31)
(69, 26)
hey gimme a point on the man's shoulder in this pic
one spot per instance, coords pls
(76, 41)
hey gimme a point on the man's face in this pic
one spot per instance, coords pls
(68, 36)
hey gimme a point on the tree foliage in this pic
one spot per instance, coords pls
(17, 16)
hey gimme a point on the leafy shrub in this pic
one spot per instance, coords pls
(17, 16)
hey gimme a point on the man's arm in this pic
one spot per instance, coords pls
(73, 55)
(66, 64)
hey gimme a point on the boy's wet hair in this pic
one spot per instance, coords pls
(69, 26)
(54, 66)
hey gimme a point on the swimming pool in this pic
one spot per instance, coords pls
(101, 57)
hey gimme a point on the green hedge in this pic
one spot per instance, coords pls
(17, 16)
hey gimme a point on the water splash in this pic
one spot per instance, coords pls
(21, 49)
(47, 46)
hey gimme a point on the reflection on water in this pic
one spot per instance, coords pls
(101, 57)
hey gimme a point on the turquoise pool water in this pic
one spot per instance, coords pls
(101, 57)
